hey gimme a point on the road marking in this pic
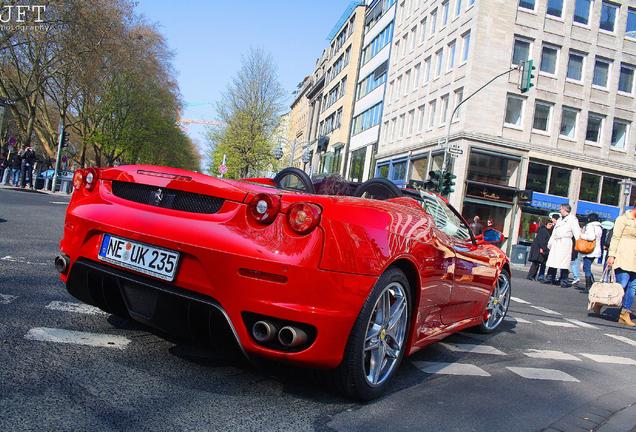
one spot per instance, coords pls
(517, 320)
(542, 374)
(557, 323)
(470, 348)
(46, 334)
(622, 339)
(75, 307)
(7, 298)
(599, 358)
(546, 310)
(581, 323)
(518, 300)
(59, 202)
(20, 260)
(550, 355)
(442, 368)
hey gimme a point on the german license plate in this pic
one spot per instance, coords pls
(151, 260)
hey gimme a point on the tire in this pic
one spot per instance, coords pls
(354, 375)
(378, 188)
(301, 175)
(502, 302)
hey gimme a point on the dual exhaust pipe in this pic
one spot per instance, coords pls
(288, 336)
(62, 263)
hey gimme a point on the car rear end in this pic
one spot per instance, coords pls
(230, 257)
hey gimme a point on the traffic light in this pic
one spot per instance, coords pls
(64, 139)
(448, 183)
(434, 181)
(527, 69)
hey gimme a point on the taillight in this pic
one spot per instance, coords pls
(78, 178)
(303, 217)
(92, 175)
(264, 208)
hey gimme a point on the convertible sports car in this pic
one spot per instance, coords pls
(330, 275)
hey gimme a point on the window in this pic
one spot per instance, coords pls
(367, 119)
(630, 28)
(555, 8)
(416, 76)
(393, 128)
(379, 42)
(337, 159)
(411, 121)
(356, 170)
(465, 46)
(611, 191)
(601, 72)
(458, 7)
(433, 22)
(413, 37)
(492, 169)
(537, 180)
(445, 219)
(568, 122)
(444, 113)
(398, 88)
(594, 127)
(514, 108)
(559, 181)
(419, 169)
(371, 82)
(427, 69)
(398, 173)
(582, 11)
(541, 116)
(445, 13)
(526, 4)
(403, 50)
(575, 66)
(338, 120)
(520, 51)
(608, 16)
(626, 79)
(590, 185)
(459, 97)
(382, 171)
(401, 126)
(423, 30)
(420, 117)
(407, 81)
(451, 55)
(619, 134)
(431, 114)
(439, 56)
(549, 56)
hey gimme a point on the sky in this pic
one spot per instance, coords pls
(209, 37)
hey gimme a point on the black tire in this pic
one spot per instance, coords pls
(301, 175)
(483, 328)
(350, 377)
(378, 188)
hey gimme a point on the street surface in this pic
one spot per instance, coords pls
(67, 366)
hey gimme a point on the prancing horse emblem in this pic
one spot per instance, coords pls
(158, 196)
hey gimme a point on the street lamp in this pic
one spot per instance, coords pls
(306, 157)
(278, 152)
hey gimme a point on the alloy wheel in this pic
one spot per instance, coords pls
(497, 303)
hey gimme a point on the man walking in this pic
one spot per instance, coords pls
(560, 245)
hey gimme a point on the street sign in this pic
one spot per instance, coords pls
(455, 151)
(222, 169)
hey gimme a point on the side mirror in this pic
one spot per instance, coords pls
(492, 236)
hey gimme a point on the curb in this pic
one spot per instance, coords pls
(37, 191)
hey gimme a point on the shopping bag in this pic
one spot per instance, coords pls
(606, 292)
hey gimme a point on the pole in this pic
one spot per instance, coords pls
(292, 153)
(60, 138)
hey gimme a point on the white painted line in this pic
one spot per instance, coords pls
(517, 320)
(46, 334)
(20, 260)
(470, 348)
(7, 298)
(550, 355)
(546, 310)
(518, 300)
(59, 202)
(557, 323)
(622, 339)
(581, 323)
(442, 368)
(599, 358)
(542, 374)
(75, 307)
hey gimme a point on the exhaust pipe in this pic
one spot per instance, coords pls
(264, 331)
(62, 263)
(291, 337)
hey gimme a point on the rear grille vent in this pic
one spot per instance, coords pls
(167, 198)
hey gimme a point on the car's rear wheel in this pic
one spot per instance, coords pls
(378, 339)
(497, 306)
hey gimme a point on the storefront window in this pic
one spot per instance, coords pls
(590, 184)
(399, 171)
(499, 170)
(438, 162)
(537, 180)
(530, 223)
(357, 164)
(383, 171)
(420, 167)
(611, 191)
(560, 181)
(486, 212)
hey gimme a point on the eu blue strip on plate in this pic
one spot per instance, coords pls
(104, 248)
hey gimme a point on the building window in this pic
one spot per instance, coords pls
(611, 191)
(537, 180)
(356, 171)
(407, 81)
(382, 171)
(459, 97)
(451, 55)
(568, 122)
(549, 56)
(367, 119)
(398, 173)
(413, 37)
(444, 113)
(526, 4)
(423, 30)
(416, 76)
(619, 134)
(555, 8)
(371, 82)
(465, 46)
(559, 182)
(520, 51)
(630, 28)
(626, 79)
(401, 126)
(337, 159)
(514, 108)
(427, 69)
(445, 13)
(419, 169)
(439, 55)
(582, 11)
(431, 114)
(594, 127)
(458, 7)
(608, 16)
(433, 22)
(411, 122)
(379, 42)
(590, 185)
(575, 66)
(420, 114)
(541, 116)
(497, 170)
(601, 72)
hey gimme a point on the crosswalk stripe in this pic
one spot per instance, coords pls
(75, 307)
(443, 368)
(517, 320)
(550, 355)
(581, 323)
(470, 348)
(622, 339)
(46, 334)
(557, 323)
(518, 300)
(7, 298)
(599, 358)
(546, 310)
(542, 374)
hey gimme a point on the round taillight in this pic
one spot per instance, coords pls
(78, 179)
(303, 217)
(92, 175)
(264, 208)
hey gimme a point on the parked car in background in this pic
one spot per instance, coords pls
(62, 176)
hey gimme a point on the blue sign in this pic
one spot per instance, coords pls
(604, 212)
(548, 202)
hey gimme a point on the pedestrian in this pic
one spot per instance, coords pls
(476, 227)
(4, 164)
(575, 267)
(560, 246)
(539, 251)
(592, 231)
(16, 163)
(622, 258)
(29, 161)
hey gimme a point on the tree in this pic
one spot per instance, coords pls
(249, 111)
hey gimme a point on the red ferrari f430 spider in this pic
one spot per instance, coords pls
(326, 274)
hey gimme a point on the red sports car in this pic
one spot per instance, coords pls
(329, 275)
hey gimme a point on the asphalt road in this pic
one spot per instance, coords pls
(551, 367)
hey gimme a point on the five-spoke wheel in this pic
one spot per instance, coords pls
(498, 302)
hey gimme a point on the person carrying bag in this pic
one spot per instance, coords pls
(605, 293)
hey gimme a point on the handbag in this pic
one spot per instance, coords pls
(607, 292)
(585, 246)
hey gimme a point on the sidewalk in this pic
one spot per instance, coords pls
(41, 191)
(597, 270)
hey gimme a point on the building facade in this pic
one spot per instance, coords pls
(298, 138)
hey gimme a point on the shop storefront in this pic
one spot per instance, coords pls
(535, 212)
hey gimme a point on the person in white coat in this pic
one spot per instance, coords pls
(560, 245)
(592, 231)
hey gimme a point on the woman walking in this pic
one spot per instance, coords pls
(539, 251)
(622, 257)
(593, 231)
(560, 246)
